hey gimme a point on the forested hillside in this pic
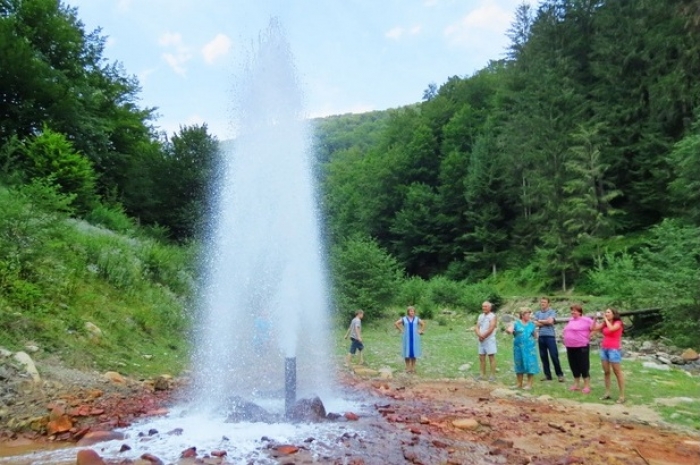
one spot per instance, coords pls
(572, 165)
(574, 162)
(69, 115)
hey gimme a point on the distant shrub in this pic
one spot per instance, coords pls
(445, 292)
(113, 218)
(665, 273)
(412, 291)
(365, 276)
(51, 156)
(427, 312)
(474, 295)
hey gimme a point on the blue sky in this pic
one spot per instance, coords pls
(351, 55)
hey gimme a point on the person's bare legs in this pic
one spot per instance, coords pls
(408, 365)
(492, 363)
(412, 363)
(617, 369)
(362, 360)
(530, 379)
(482, 365)
(606, 376)
(519, 377)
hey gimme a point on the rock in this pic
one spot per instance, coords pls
(465, 367)
(163, 383)
(93, 330)
(241, 410)
(468, 424)
(647, 347)
(152, 459)
(89, 457)
(114, 377)
(350, 416)
(189, 452)
(386, 373)
(678, 360)
(286, 449)
(689, 355)
(307, 410)
(59, 425)
(29, 366)
(656, 366)
(502, 443)
(93, 437)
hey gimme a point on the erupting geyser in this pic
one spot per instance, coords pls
(265, 301)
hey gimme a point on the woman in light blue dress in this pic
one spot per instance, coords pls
(525, 361)
(412, 327)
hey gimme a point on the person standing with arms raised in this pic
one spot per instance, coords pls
(545, 318)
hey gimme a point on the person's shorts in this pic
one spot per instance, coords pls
(355, 345)
(611, 355)
(487, 347)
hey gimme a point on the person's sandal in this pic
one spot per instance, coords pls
(621, 400)
(586, 390)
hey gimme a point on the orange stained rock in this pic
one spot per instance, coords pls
(287, 449)
(89, 457)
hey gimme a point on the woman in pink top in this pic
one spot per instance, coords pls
(610, 351)
(577, 338)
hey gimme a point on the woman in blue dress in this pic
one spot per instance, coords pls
(524, 334)
(412, 327)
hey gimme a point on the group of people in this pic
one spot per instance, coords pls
(532, 334)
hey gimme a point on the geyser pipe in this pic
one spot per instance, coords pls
(290, 384)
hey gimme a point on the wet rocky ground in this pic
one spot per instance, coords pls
(407, 421)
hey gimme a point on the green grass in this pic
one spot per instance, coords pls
(449, 344)
(57, 274)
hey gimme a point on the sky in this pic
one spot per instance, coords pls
(352, 56)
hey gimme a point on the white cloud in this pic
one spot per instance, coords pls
(182, 54)
(124, 5)
(489, 18)
(398, 32)
(170, 38)
(216, 48)
(394, 33)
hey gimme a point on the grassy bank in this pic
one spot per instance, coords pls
(89, 296)
(450, 351)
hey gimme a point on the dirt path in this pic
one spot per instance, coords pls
(502, 426)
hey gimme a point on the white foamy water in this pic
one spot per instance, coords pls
(242, 442)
